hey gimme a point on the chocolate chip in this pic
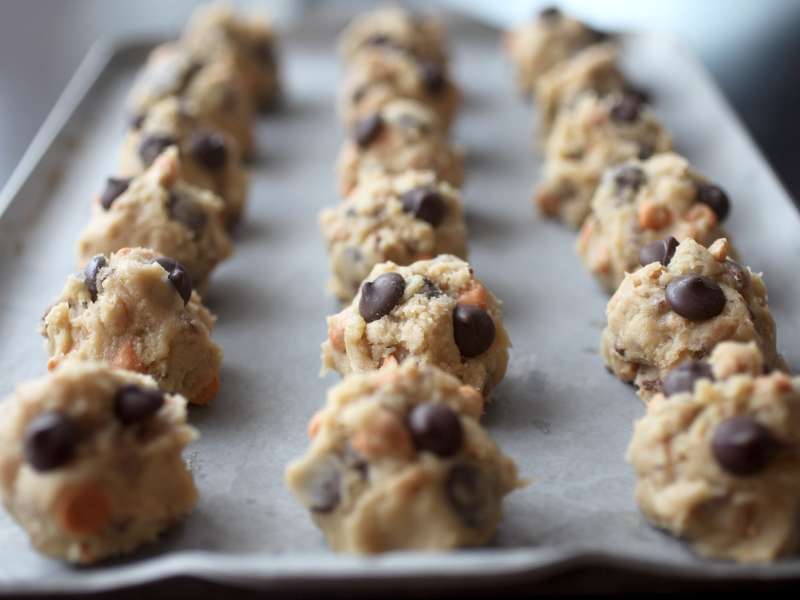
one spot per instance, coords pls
(90, 272)
(263, 53)
(431, 289)
(134, 403)
(629, 177)
(432, 76)
(466, 493)
(152, 145)
(425, 204)
(49, 441)
(187, 211)
(325, 486)
(473, 330)
(379, 297)
(743, 446)
(435, 427)
(661, 251)
(550, 13)
(739, 274)
(378, 39)
(367, 129)
(114, 187)
(627, 109)
(645, 151)
(178, 275)
(695, 297)
(715, 198)
(208, 147)
(683, 377)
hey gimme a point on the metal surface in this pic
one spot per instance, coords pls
(558, 413)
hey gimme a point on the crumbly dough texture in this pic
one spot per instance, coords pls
(179, 120)
(410, 137)
(421, 35)
(371, 227)
(626, 218)
(682, 487)
(215, 88)
(142, 216)
(391, 495)
(594, 68)
(420, 326)
(138, 322)
(135, 469)
(214, 30)
(644, 339)
(540, 44)
(377, 77)
(585, 141)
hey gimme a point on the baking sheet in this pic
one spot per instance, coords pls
(558, 413)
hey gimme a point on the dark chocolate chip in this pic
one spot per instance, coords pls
(629, 177)
(432, 76)
(627, 109)
(184, 209)
(642, 96)
(645, 151)
(715, 198)
(152, 145)
(378, 39)
(431, 289)
(49, 441)
(473, 330)
(695, 297)
(379, 297)
(208, 147)
(326, 492)
(263, 52)
(90, 272)
(550, 13)
(466, 493)
(425, 204)
(367, 129)
(740, 275)
(683, 377)
(743, 446)
(661, 251)
(134, 403)
(435, 427)
(114, 187)
(598, 36)
(178, 275)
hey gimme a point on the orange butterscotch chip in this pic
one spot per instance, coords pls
(83, 509)
(653, 215)
(207, 394)
(474, 295)
(127, 358)
(314, 423)
(336, 333)
(473, 406)
(383, 435)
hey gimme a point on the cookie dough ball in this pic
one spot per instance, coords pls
(137, 311)
(398, 460)
(215, 30)
(401, 219)
(588, 137)
(718, 458)
(210, 158)
(435, 311)
(402, 135)
(594, 68)
(159, 210)
(540, 44)
(375, 78)
(642, 202)
(680, 307)
(90, 461)
(216, 89)
(420, 35)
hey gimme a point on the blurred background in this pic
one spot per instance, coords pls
(751, 47)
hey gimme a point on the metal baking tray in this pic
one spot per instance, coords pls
(558, 413)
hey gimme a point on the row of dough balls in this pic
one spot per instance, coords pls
(90, 456)
(398, 458)
(716, 455)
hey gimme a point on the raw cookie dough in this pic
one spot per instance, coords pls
(394, 26)
(589, 136)
(159, 210)
(436, 311)
(215, 30)
(662, 315)
(718, 462)
(398, 460)
(210, 158)
(216, 89)
(641, 202)
(90, 461)
(137, 311)
(385, 74)
(594, 68)
(402, 135)
(403, 219)
(540, 44)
